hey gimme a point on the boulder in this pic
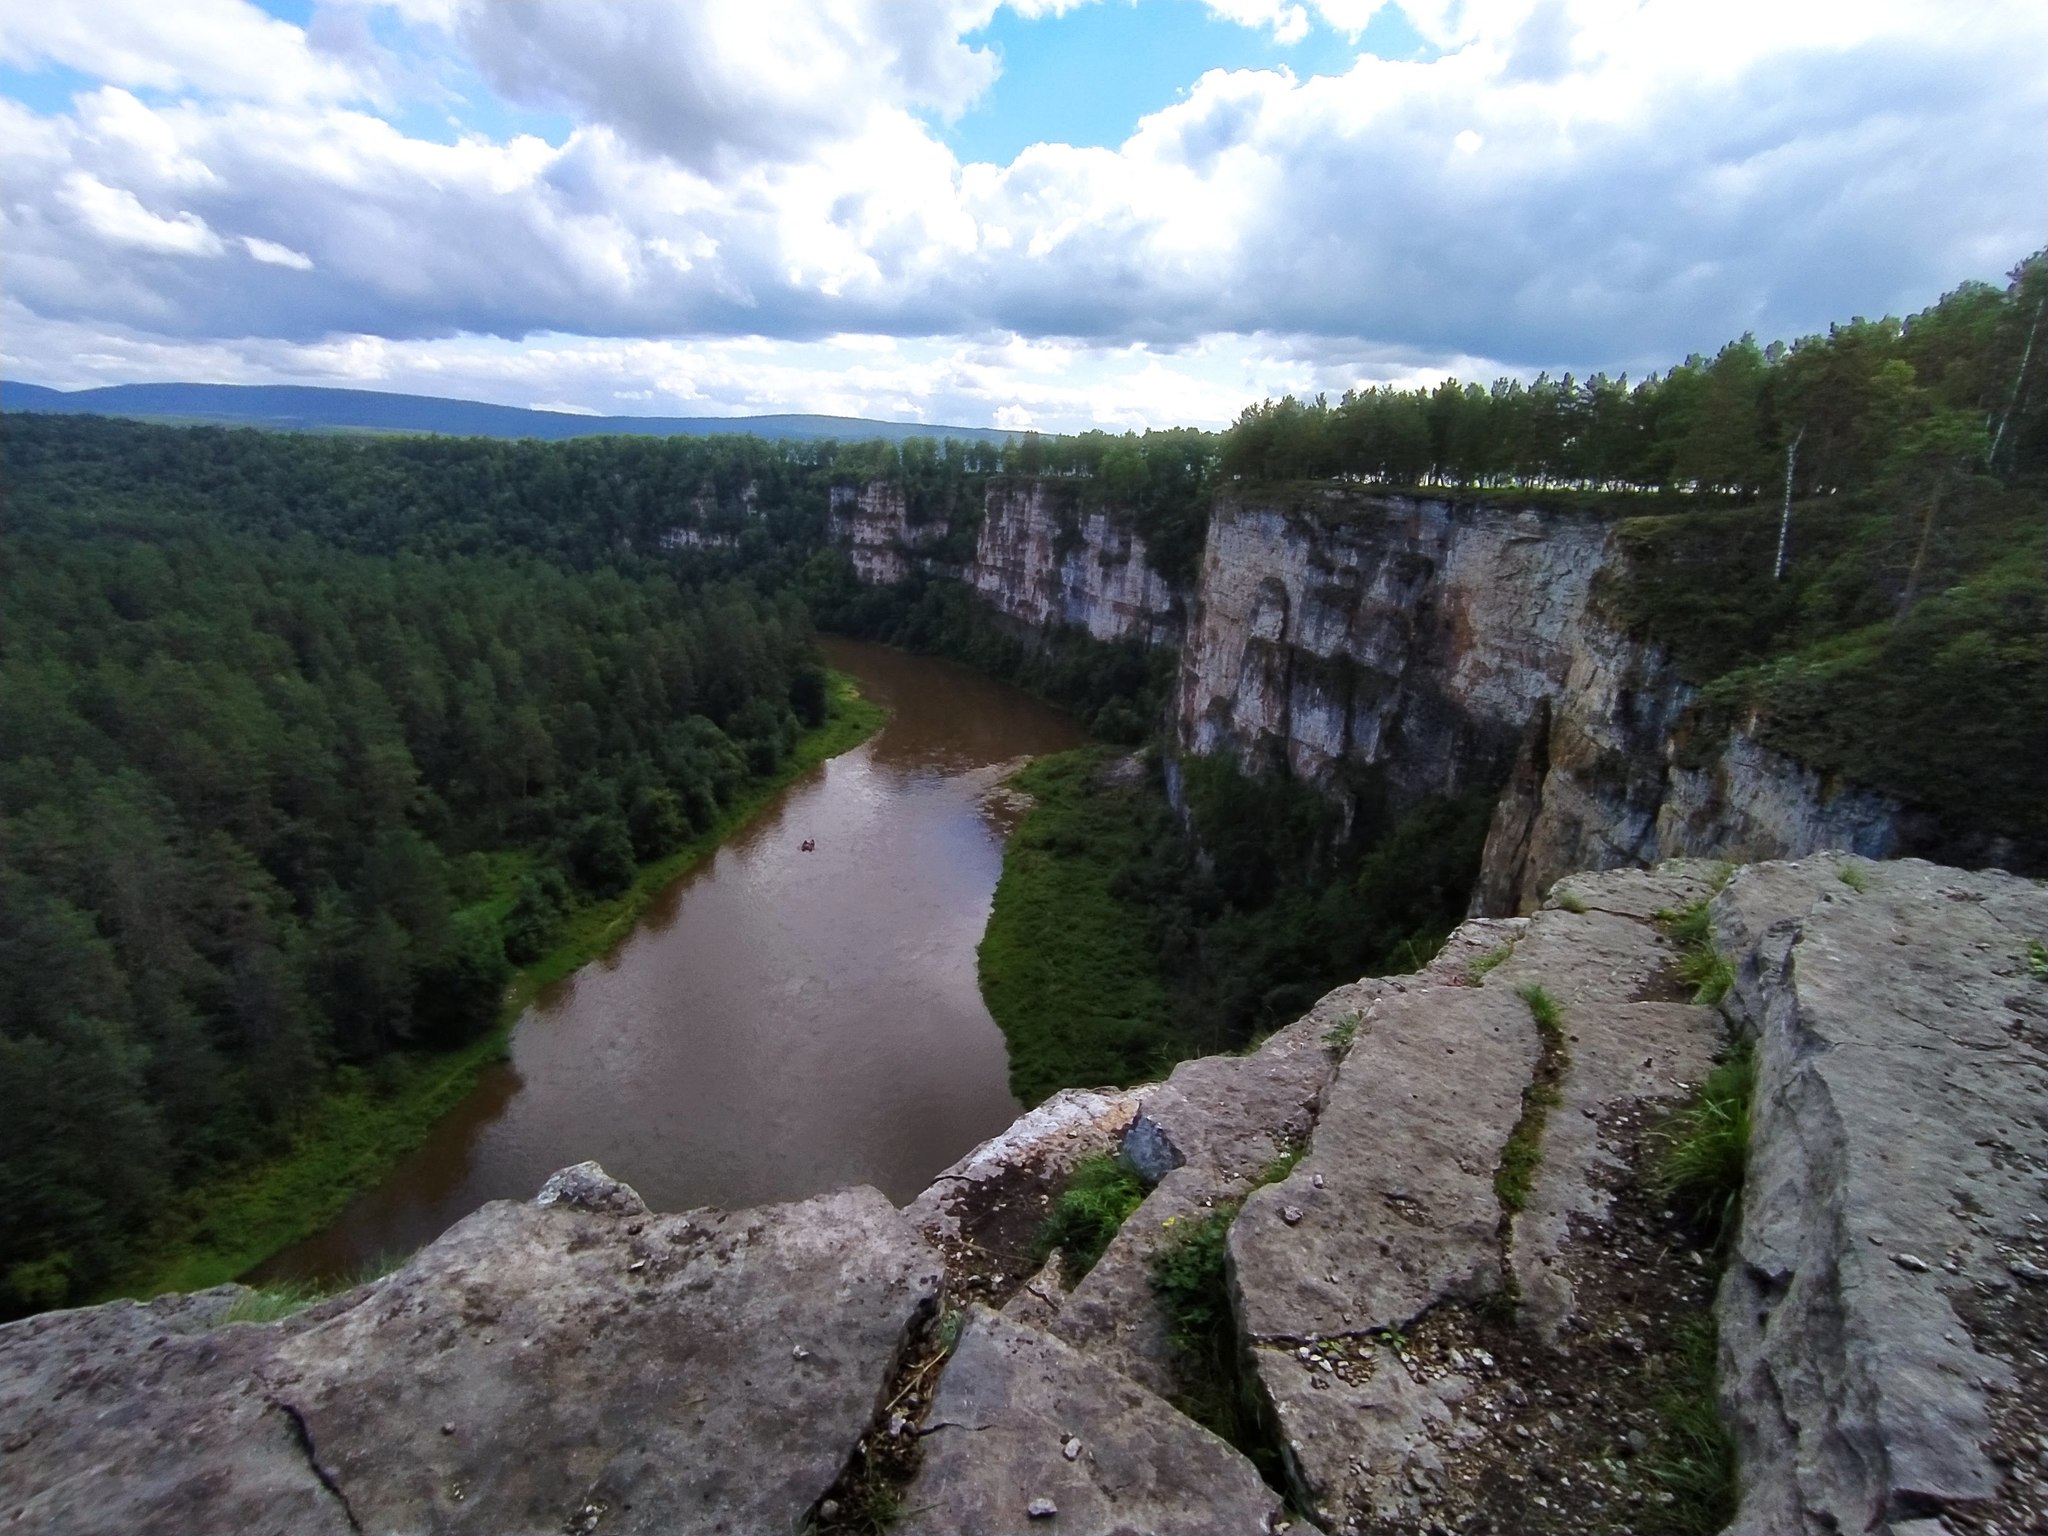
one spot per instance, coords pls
(541, 1367)
(574, 1365)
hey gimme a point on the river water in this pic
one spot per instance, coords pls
(780, 1023)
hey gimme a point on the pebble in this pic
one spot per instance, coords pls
(829, 1510)
(2033, 1274)
(1041, 1509)
(1317, 1180)
(1071, 1449)
(447, 1429)
(1910, 1261)
(1291, 1214)
(799, 1353)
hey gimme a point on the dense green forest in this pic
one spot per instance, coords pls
(260, 796)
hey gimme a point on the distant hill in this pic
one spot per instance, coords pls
(305, 408)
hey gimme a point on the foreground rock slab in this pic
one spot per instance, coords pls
(150, 1420)
(1882, 1322)
(581, 1365)
(1023, 1420)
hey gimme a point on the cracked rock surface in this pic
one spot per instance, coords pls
(1882, 1358)
(580, 1366)
(1012, 1402)
(151, 1420)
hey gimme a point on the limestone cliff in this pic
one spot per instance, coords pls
(1042, 558)
(1453, 645)
(1439, 645)
(872, 523)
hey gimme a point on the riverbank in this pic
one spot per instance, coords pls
(366, 1119)
(1065, 970)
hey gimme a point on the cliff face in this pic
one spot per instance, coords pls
(1042, 560)
(872, 523)
(1445, 646)
(1455, 646)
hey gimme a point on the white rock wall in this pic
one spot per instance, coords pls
(1103, 583)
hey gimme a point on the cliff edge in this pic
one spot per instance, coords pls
(1450, 1291)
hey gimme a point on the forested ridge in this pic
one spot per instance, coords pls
(305, 741)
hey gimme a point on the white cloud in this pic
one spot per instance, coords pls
(116, 214)
(1287, 21)
(714, 82)
(216, 47)
(273, 254)
(1575, 183)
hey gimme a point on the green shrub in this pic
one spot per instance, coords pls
(1100, 1195)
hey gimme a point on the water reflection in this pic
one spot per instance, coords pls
(781, 1022)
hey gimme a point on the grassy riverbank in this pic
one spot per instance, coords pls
(1065, 971)
(366, 1119)
(1121, 942)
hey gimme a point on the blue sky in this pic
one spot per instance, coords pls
(1061, 213)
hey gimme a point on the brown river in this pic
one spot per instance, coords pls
(780, 1023)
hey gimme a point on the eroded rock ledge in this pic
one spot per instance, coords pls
(1420, 1351)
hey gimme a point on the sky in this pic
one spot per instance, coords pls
(1060, 214)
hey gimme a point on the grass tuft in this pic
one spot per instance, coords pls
(1704, 1150)
(1100, 1195)
(1693, 1458)
(2037, 959)
(269, 1303)
(1485, 965)
(1338, 1036)
(1572, 902)
(1854, 877)
(1701, 966)
(1523, 1154)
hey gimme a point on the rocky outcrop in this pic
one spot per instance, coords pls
(1043, 558)
(1449, 1292)
(1395, 1222)
(578, 1366)
(1882, 1322)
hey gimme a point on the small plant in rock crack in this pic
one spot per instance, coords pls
(1572, 902)
(1484, 966)
(1338, 1036)
(2037, 959)
(1190, 1279)
(1703, 1150)
(1523, 1154)
(1693, 1456)
(1701, 966)
(1101, 1193)
(1854, 877)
